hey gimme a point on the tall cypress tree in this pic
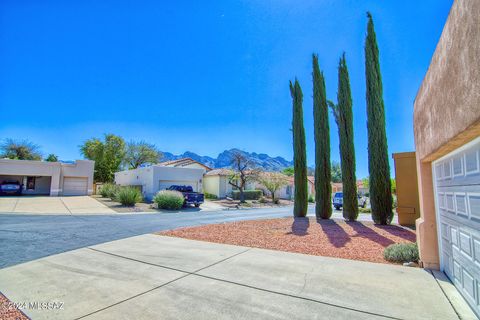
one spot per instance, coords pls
(323, 174)
(344, 118)
(378, 166)
(299, 152)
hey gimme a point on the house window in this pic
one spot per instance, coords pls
(30, 183)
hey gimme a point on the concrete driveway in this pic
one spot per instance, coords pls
(52, 205)
(156, 277)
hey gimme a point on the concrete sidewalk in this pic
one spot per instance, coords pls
(156, 277)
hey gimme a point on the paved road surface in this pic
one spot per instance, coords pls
(29, 237)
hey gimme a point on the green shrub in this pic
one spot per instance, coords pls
(249, 194)
(108, 190)
(311, 199)
(401, 252)
(210, 196)
(128, 196)
(168, 199)
(263, 200)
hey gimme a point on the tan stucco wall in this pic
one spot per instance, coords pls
(446, 111)
(408, 206)
(56, 170)
(211, 184)
(448, 101)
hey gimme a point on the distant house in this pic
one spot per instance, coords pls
(361, 188)
(216, 182)
(287, 192)
(49, 178)
(160, 176)
(337, 187)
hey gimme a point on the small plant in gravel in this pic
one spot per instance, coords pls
(109, 190)
(128, 196)
(401, 252)
(168, 199)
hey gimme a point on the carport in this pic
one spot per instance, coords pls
(49, 178)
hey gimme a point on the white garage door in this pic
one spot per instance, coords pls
(75, 186)
(164, 184)
(457, 183)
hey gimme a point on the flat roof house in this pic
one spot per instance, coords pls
(50, 178)
(159, 177)
(447, 141)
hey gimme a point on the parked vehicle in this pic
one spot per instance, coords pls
(191, 197)
(11, 188)
(338, 201)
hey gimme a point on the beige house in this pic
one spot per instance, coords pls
(216, 182)
(447, 140)
(49, 178)
(154, 178)
(287, 192)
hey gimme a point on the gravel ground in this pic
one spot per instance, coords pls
(7, 312)
(349, 240)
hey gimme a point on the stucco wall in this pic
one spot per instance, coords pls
(81, 168)
(137, 177)
(149, 177)
(211, 184)
(446, 111)
(55, 170)
(448, 101)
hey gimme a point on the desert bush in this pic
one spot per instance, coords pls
(128, 196)
(401, 252)
(365, 210)
(249, 194)
(108, 190)
(210, 196)
(311, 199)
(168, 199)
(263, 200)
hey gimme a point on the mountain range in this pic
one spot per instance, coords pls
(223, 160)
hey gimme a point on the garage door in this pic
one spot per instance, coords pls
(457, 194)
(75, 186)
(164, 184)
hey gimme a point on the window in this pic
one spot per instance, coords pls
(30, 183)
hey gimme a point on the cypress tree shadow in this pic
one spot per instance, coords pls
(300, 226)
(365, 232)
(398, 231)
(335, 233)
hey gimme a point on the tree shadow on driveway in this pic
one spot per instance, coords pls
(300, 226)
(334, 232)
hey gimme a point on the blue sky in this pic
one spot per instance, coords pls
(203, 76)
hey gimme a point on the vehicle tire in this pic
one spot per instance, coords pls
(337, 208)
(197, 205)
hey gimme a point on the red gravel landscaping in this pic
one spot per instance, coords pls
(8, 312)
(349, 240)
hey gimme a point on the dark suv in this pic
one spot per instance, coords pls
(11, 188)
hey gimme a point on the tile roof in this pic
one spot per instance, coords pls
(181, 163)
(219, 172)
